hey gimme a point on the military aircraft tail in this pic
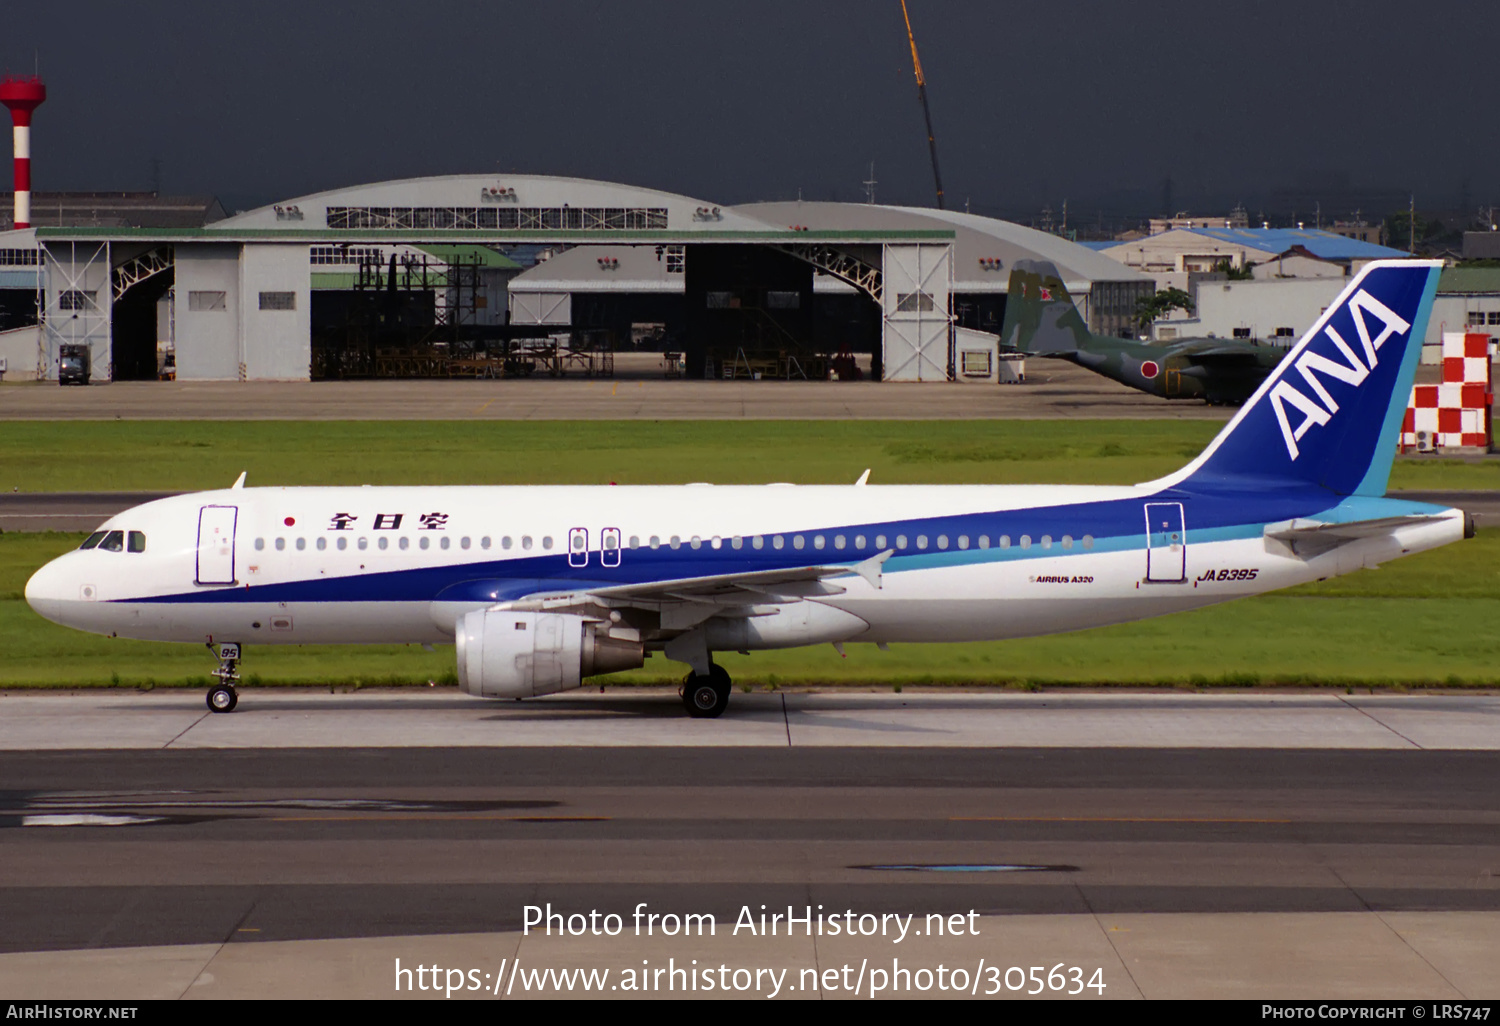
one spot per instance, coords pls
(1040, 316)
(1328, 415)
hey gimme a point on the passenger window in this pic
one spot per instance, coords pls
(343, 543)
(676, 542)
(921, 541)
(696, 542)
(963, 541)
(382, 542)
(635, 541)
(778, 542)
(424, 543)
(736, 542)
(546, 542)
(900, 541)
(505, 542)
(859, 542)
(525, 542)
(655, 542)
(717, 542)
(92, 540)
(137, 542)
(403, 544)
(880, 541)
(484, 542)
(322, 544)
(796, 541)
(1088, 541)
(1046, 541)
(942, 541)
(984, 541)
(363, 543)
(757, 542)
(463, 542)
(260, 544)
(1067, 541)
(301, 544)
(838, 541)
(817, 541)
(1025, 541)
(1005, 541)
(280, 544)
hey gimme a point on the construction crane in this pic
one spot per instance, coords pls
(916, 63)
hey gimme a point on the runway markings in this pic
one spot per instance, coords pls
(440, 819)
(977, 867)
(1101, 819)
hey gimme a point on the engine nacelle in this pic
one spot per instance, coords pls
(520, 655)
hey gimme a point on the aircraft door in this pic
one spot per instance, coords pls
(609, 546)
(1166, 543)
(578, 547)
(216, 544)
(1171, 381)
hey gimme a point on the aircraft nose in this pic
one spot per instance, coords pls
(46, 590)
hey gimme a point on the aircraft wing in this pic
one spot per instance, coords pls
(756, 586)
(687, 601)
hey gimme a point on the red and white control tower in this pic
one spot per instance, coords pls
(22, 96)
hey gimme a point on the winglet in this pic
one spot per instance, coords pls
(863, 478)
(872, 568)
(239, 482)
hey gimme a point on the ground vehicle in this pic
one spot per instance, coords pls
(73, 364)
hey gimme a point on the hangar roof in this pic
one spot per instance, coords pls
(977, 238)
(587, 269)
(1321, 244)
(506, 197)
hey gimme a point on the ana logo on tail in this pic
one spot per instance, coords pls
(1353, 371)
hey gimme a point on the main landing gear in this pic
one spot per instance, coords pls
(706, 696)
(222, 697)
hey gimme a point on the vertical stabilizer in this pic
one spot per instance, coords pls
(1040, 316)
(1328, 415)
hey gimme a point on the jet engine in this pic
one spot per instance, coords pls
(519, 655)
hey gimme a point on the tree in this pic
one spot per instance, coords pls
(1245, 273)
(1148, 309)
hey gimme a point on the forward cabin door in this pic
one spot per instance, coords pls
(216, 544)
(1166, 543)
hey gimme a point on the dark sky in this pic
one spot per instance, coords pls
(1095, 102)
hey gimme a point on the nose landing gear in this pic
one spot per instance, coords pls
(222, 697)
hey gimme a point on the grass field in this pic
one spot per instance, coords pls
(1425, 620)
(192, 455)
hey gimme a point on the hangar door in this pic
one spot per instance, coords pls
(541, 307)
(917, 315)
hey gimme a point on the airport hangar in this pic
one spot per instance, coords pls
(409, 278)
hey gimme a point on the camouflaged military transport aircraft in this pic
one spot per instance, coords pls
(1041, 320)
(540, 587)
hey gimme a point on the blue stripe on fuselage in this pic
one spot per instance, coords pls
(1114, 525)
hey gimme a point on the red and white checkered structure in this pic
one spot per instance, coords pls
(1455, 413)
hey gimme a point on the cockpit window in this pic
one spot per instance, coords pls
(114, 541)
(137, 541)
(92, 540)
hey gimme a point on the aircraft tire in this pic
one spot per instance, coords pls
(222, 698)
(706, 697)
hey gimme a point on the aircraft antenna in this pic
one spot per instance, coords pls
(916, 63)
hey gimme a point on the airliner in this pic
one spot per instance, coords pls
(539, 588)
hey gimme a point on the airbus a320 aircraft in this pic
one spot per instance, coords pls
(541, 587)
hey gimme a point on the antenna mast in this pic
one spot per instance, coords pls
(916, 63)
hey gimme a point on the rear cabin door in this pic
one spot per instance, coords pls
(216, 544)
(609, 546)
(1166, 543)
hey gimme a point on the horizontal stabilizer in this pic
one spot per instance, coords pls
(1309, 538)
